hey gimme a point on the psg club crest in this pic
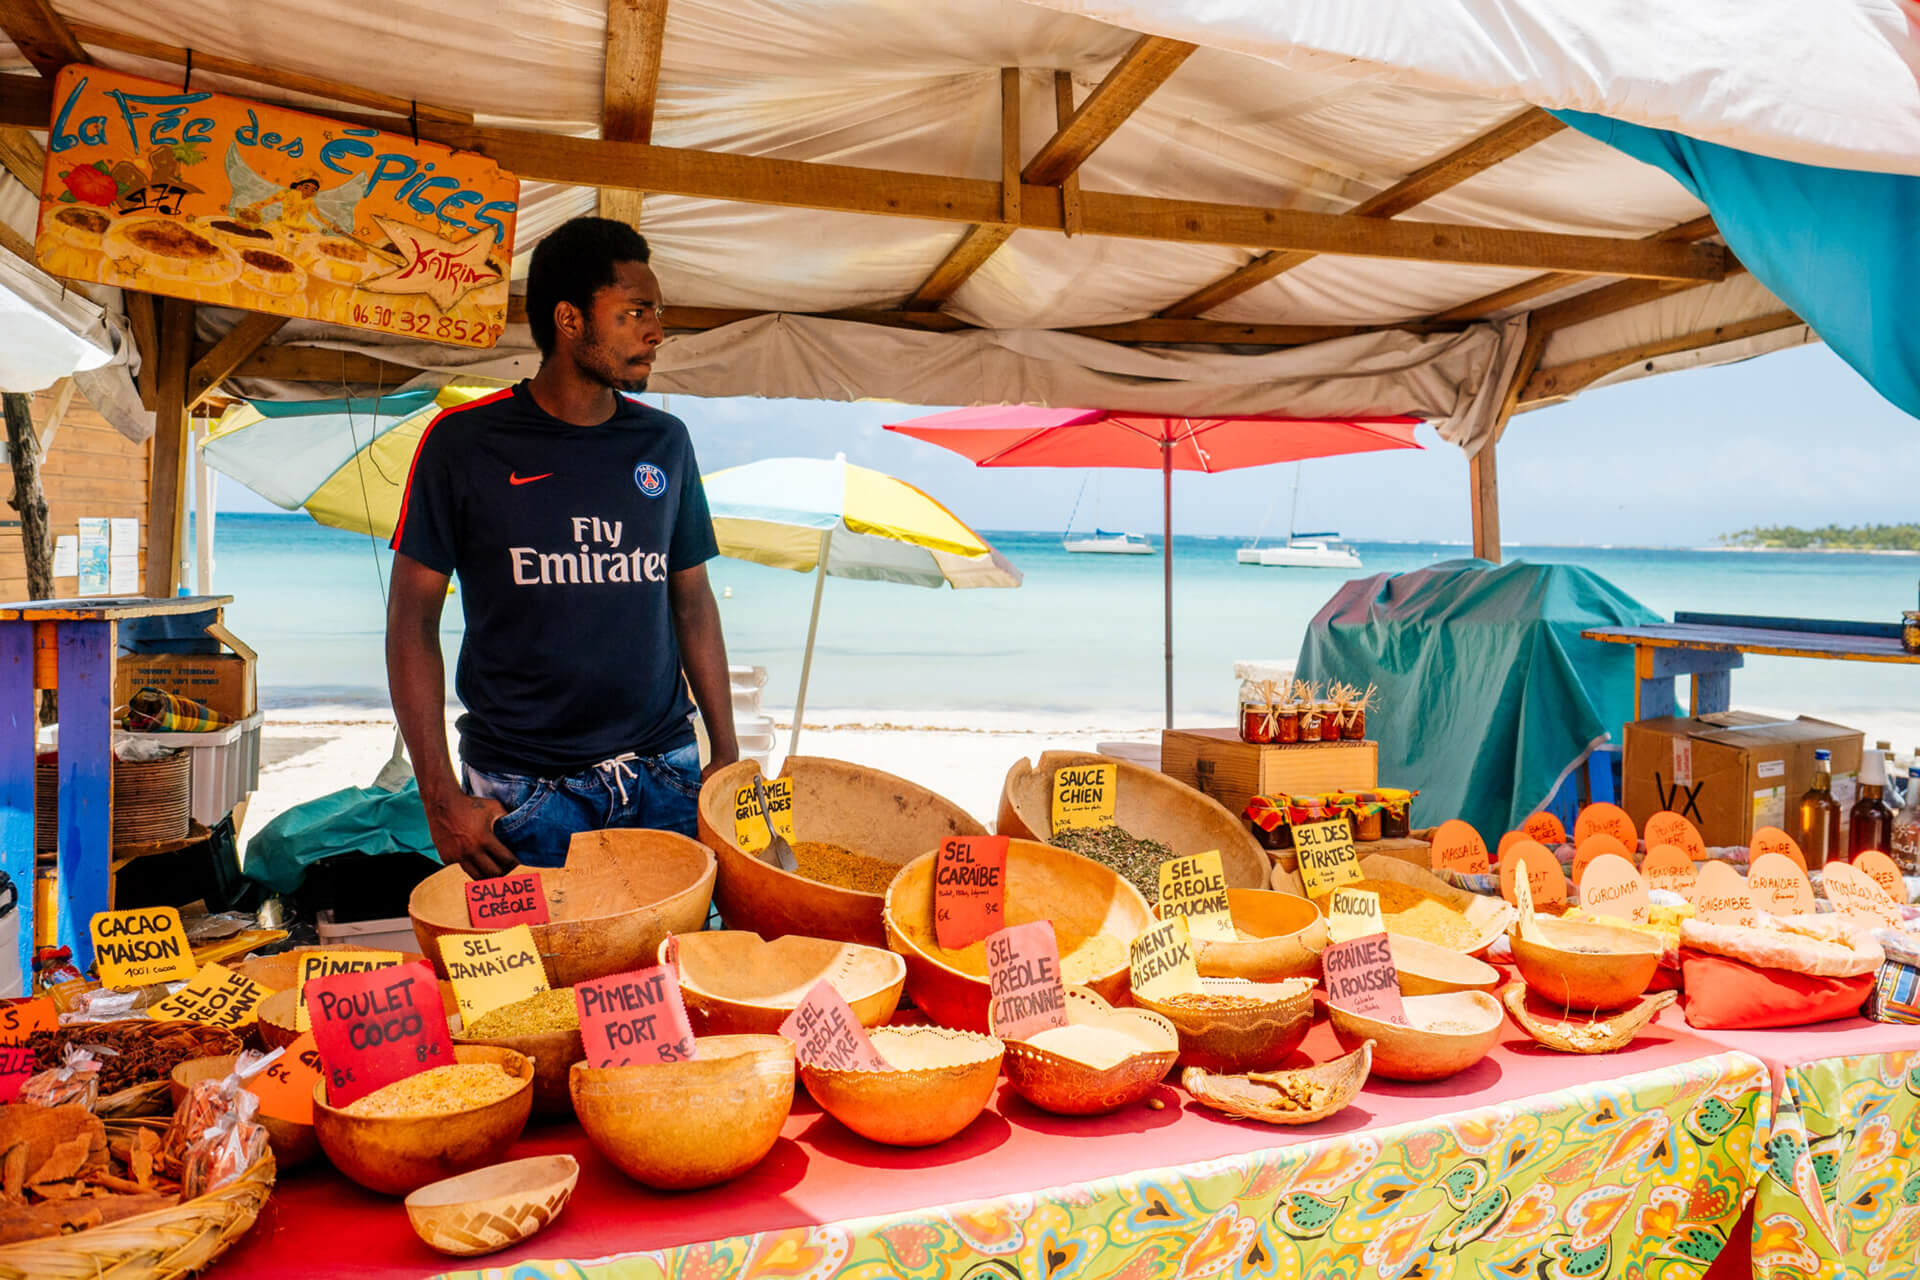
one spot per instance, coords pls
(651, 479)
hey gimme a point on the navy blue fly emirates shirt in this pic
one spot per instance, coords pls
(562, 538)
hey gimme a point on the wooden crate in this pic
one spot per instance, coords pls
(1217, 762)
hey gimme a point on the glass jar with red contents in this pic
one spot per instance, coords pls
(1329, 724)
(1353, 724)
(1310, 723)
(1256, 711)
(1286, 724)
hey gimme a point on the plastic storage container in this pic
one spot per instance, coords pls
(226, 764)
(393, 934)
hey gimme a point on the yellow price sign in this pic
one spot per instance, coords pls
(1196, 888)
(1327, 856)
(1162, 961)
(1354, 913)
(324, 964)
(1084, 795)
(217, 997)
(489, 970)
(135, 949)
(749, 828)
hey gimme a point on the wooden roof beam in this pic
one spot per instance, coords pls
(982, 239)
(635, 31)
(1141, 69)
(1560, 381)
(1553, 282)
(239, 342)
(43, 37)
(1482, 153)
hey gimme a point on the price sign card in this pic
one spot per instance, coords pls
(825, 1033)
(1354, 913)
(135, 949)
(1612, 887)
(1774, 840)
(1667, 827)
(1023, 979)
(1084, 795)
(1327, 857)
(1669, 867)
(217, 997)
(489, 970)
(1592, 847)
(1196, 888)
(324, 964)
(1545, 880)
(16, 1065)
(1606, 819)
(1544, 828)
(1779, 886)
(1855, 894)
(749, 828)
(1360, 977)
(1721, 896)
(1162, 961)
(1457, 847)
(285, 1089)
(375, 1028)
(1880, 869)
(21, 1018)
(634, 1019)
(969, 890)
(515, 898)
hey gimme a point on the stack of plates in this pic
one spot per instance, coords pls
(151, 800)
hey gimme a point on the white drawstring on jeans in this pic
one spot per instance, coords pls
(618, 771)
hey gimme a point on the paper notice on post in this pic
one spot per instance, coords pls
(66, 556)
(123, 575)
(92, 545)
(123, 536)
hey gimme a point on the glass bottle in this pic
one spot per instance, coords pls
(1895, 794)
(1906, 828)
(1870, 825)
(1820, 814)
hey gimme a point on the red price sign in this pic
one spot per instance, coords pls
(1023, 975)
(1360, 977)
(634, 1019)
(378, 1027)
(16, 1064)
(21, 1018)
(504, 901)
(285, 1089)
(825, 1033)
(969, 889)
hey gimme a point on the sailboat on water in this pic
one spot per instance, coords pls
(1100, 541)
(1301, 550)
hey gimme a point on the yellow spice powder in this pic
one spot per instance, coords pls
(841, 867)
(437, 1091)
(1415, 914)
(554, 1010)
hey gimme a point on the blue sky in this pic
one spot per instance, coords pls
(1796, 437)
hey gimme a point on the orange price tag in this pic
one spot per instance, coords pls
(969, 889)
(1592, 847)
(1543, 827)
(1721, 896)
(1671, 869)
(825, 1033)
(285, 1089)
(1545, 879)
(16, 1066)
(1613, 887)
(1779, 887)
(1856, 895)
(21, 1018)
(1667, 827)
(1774, 840)
(1608, 819)
(1457, 847)
(1879, 867)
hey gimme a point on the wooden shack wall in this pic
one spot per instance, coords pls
(92, 470)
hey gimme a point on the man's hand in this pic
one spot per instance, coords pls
(720, 761)
(462, 830)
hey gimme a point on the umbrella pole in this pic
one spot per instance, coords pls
(1166, 474)
(813, 625)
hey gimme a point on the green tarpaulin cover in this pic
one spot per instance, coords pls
(1488, 697)
(353, 820)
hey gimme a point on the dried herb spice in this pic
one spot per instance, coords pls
(1134, 859)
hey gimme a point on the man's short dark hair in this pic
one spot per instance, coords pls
(576, 260)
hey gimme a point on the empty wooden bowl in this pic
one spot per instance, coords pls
(1281, 936)
(1284, 1097)
(1426, 969)
(681, 1125)
(1449, 1033)
(277, 1013)
(621, 892)
(293, 1144)
(397, 1154)
(1103, 1060)
(1594, 1033)
(737, 983)
(1095, 915)
(553, 1054)
(864, 810)
(1148, 804)
(1260, 1029)
(1577, 964)
(941, 1080)
(491, 1208)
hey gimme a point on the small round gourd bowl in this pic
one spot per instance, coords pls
(621, 892)
(1578, 964)
(1055, 1080)
(1095, 916)
(1428, 969)
(872, 813)
(553, 1054)
(1448, 1034)
(941, 1080)
(1282, 936)
(1256, 1035)
(397, 1154)
(277, 1012)
(293, 1144)
(491, 1208)
(674, 1126)
(737, 983)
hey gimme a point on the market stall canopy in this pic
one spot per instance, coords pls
(50, 332)
(1113, 203)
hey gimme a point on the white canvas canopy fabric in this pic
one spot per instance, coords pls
(1286, 105)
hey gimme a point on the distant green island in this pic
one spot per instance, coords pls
(1866, 537)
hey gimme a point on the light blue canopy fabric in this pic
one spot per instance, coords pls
(1488, 696)
(1839, 247)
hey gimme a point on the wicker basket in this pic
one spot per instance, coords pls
(152, 800)
(167, 1244)
(154, 1097)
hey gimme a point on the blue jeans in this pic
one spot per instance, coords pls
(544, 814)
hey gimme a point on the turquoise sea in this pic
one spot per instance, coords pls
(1081, 638)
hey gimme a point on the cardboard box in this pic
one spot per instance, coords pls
(223, 681)
(1733, 771)
(1218, 763)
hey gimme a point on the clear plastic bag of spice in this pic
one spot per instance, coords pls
(75, 1082)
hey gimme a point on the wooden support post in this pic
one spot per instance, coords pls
(86, 780)
(175, 358)
(17, 729)
(146, 340)
(630, 82)
(1483, 485)
(1069, 185)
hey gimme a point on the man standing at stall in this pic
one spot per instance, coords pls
(576, 522)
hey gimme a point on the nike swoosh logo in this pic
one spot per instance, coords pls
(515, 479)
